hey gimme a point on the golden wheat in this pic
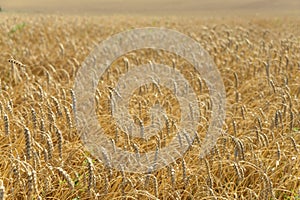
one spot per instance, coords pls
(43, 157)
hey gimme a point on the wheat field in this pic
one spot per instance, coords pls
(43, 157)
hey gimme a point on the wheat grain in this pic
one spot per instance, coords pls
(68, 117)
(49, 145)
(113, 143)
(276, 119)
(243, 111)
(236, 80)
(31, 183)
(234, 128)
(259, 123)
(33, 118)
(291, 120)
(278, 151)
(60, 141)
(294, 143)
(57, 106)
(209, 176)
(137, 152)
(188, 139)
(46, 155)
(28, 142)
(73, 103)
(241, 149)
(142, 127)
(273, 86)
(179, 139)
(9, 107)
(184, 172)
(42, 129)
(156, 191)
(106, 187)
(2, 190)
(6, 125)
(167, 123)
(66, 177)
(51, 118)
(106, 157)
(266, 139)
(237, 96)
(41, 93)
(269, 185)
(16, 172)
(91, 180)
(1, 105)
(173, 176)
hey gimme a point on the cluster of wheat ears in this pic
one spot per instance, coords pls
(42, 156)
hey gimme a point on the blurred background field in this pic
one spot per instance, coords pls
(157, 7)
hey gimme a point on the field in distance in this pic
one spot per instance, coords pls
(157, 7)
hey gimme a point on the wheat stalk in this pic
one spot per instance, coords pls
(209, 176)
(6, 125)
(49, 146)
(57, 106)
(28, 142)
(66, 177)
(60, 141)
(2, 190)
(33, 118)
(91, 179)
